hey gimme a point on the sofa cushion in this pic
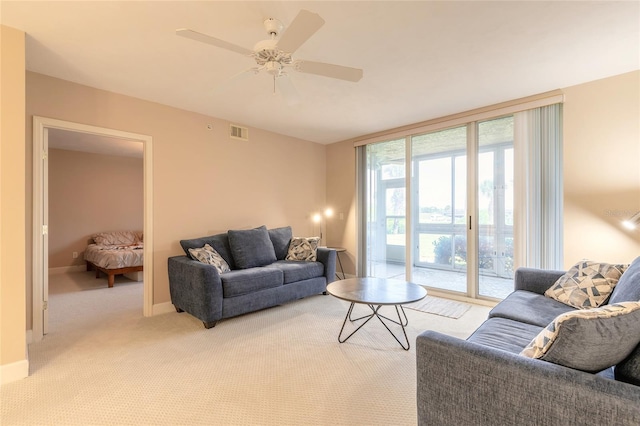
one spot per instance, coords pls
(505, 334)
(628, 370)
(586, 284)
(298, 271)
(219, 242)
(251, 247)
(245, 281)
(589, 339)
(303, 248)
(530, 308)
(209, 256)
(280, 238)
(628, 287)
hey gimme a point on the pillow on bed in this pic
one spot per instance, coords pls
(117, 238)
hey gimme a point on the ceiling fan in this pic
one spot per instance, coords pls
(274, 55)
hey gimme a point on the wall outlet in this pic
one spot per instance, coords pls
(75, 254)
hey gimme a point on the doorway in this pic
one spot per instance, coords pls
(41, 127)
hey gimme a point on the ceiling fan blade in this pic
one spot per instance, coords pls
(194, 35)
(303, 26)
(287, 90)
(236, 78)
(329, 70)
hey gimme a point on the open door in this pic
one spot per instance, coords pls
(40, 237)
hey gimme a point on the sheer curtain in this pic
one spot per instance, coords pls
(538, 180)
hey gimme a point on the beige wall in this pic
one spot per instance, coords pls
(341, 176)
(90, 193)
(601, 173)
(601, 169)
(12, 206)
(203, 181)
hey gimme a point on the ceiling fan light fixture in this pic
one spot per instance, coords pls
(274, 68)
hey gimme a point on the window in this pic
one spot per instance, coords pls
(450, 224)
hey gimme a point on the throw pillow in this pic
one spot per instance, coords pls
(208, 255)
(589, 340)
(586, 285)
(628, 288)
(251, 247)
(302, 248)
(281, 237)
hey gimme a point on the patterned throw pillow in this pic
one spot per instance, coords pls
(208, 255)
(586, 285)
(302, 248)
(589, 339)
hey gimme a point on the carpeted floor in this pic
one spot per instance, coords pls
(102, 363)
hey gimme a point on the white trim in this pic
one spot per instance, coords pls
(480, 114)
(29, 337)
(39, 126)
(14, 371)
(163, 308)
(473, 224)
(65, 269)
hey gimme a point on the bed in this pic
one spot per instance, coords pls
(115, 253)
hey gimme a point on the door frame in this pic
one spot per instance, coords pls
(40, 188)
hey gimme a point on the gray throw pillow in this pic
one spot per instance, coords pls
(628, 287)
(589, 339)
(281, 237)
(251, 247)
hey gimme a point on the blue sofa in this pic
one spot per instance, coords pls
(259, 278)
(484, 380)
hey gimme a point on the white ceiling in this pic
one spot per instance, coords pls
(421, 59)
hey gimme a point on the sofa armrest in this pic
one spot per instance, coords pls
(535, 280)
(328, 257)
(195, 288)
(464, 383)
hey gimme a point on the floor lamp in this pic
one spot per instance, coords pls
(317, 218)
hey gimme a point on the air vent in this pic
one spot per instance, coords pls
(238, 132)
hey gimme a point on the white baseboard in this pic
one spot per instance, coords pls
(65, 269)
(14, 371)
(162, 308)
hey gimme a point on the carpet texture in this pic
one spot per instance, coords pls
(438, 306)
(103, 363)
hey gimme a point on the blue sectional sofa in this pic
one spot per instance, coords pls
(259, 275)
(484, 380)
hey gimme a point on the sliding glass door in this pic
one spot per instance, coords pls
(428, 209)
(386, 209)
(440, 209)
(495, 207)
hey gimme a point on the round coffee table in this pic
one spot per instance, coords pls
(375, 293)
